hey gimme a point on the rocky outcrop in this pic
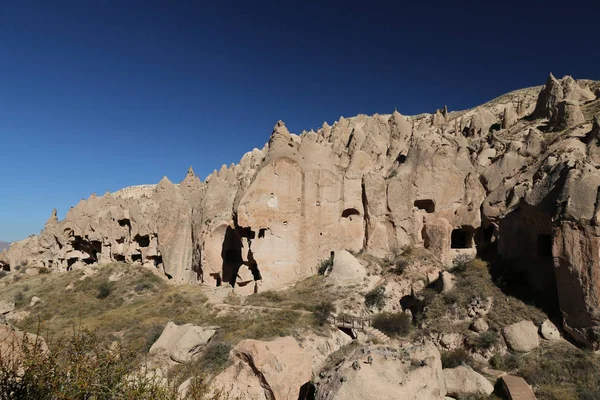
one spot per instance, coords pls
(180, 343)
(412, 373)
(457, 183)
(266, 370)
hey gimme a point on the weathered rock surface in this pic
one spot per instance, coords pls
(522, 336)
(549, 331)
(489, 178)
(266, 370)
(463, 380)
(180, 343)
(12, 341)
(413, 373)
(346, 269)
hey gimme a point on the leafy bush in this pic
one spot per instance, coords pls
(456, 358)
(407, 249)
(325, 266)
(393, 324)
(152, 335)
(3, 273)
(216, 357)
(142, 286)
(80, 367)
(375, 298)
(19, 296)
(483, 341)
(44, 270)
(104, 290)
(322, 312)
(461, 262)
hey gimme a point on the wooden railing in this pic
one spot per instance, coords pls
(351, 322)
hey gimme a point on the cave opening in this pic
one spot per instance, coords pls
(524, 266)
(136, 257)
(6, 267)
(401, 158)
(231, 254)
(262, 232)
(157, 260)
(308, 391)
(90, 247)
(427, 205)
(349, 212)
(461, 238)
(425, 237)
(70, 263)
(125, 223)
(119, 257)
(142, 240)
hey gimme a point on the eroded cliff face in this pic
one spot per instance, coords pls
(518, 175)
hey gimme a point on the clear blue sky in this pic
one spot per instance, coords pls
(97, 95)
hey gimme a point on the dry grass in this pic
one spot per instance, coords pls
(304, 295)
(473, 281)
(139, 305)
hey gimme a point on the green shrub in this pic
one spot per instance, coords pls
(44, 270)
(392, 324)
(3, 273)
(142, 286)
(399, 265)
(215, 357)
(80, 366)
(375, 298)
(325, 266)
(19, 296)
(461, 262)
(152, 335)
(104, 290)
(322, 312)
(456, 358)
(483, 341)
(407, 249)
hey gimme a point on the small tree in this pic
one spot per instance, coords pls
(323, 311)
(393, 324)
(375, 298)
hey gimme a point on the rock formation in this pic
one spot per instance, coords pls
(489, 179)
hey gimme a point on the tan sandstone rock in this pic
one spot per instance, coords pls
(522, 336)
(463, 380)
(266, 370)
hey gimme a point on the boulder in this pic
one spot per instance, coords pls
(346, 269)
(266, 370)
(180, 343)
(412, 373)
(34, 300)
(549, 331)
(521, 337)
(12, 340)
(461, 381)
(479, 325)
(6, 306)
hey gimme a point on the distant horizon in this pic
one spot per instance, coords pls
(99, 96)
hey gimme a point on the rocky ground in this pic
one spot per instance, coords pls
(420, 331)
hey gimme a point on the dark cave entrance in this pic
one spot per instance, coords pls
(462, 238)
(231, 253)
(426, 204)
(142, 240)
(524, 267)
(349, 212)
